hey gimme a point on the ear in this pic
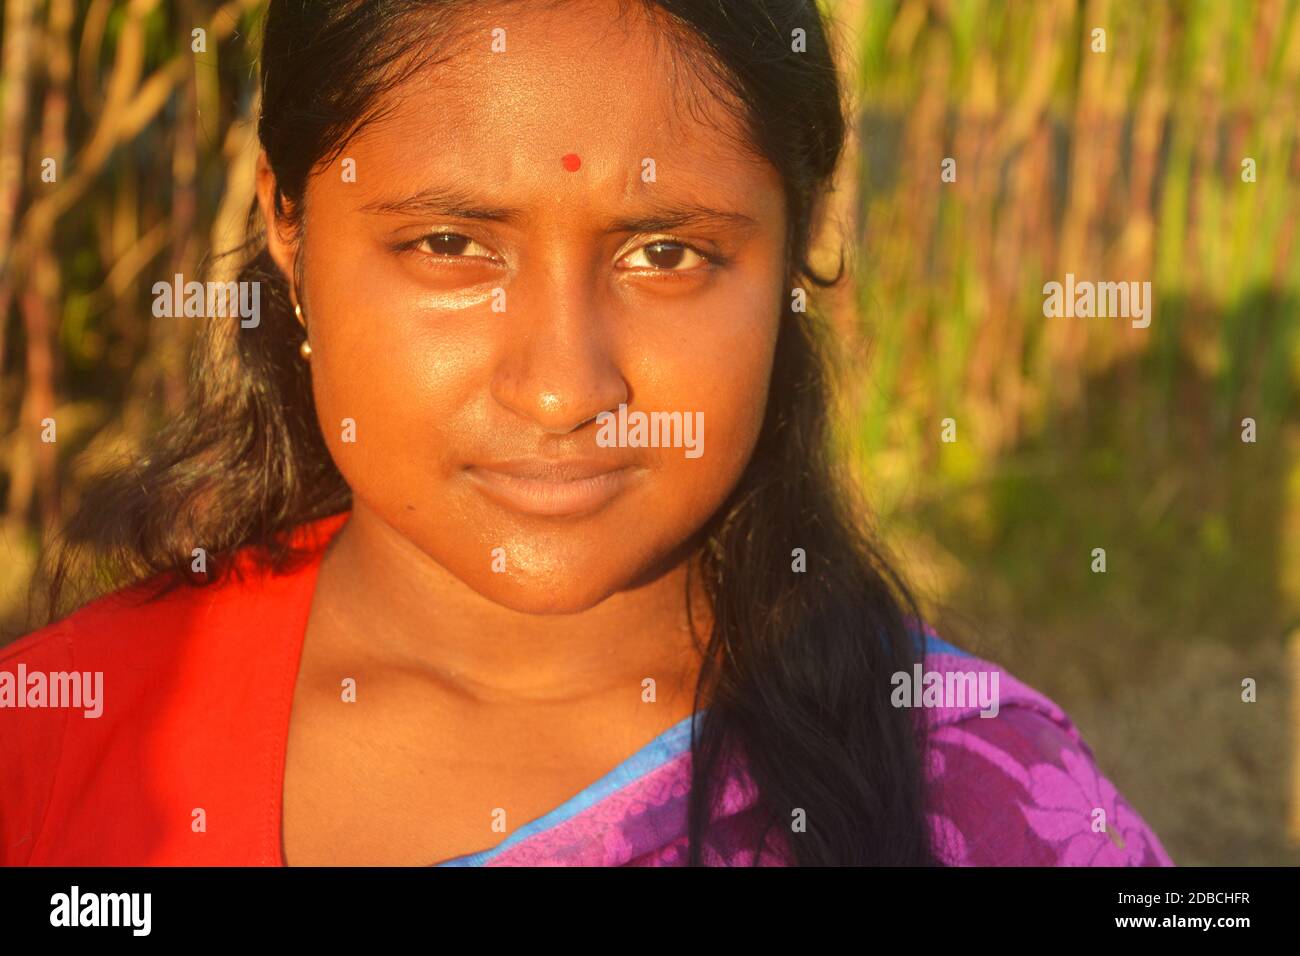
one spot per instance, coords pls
(281, 238)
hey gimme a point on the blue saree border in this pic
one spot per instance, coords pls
(669, 744)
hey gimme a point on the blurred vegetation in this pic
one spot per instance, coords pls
(145, 126)
(1072, 434)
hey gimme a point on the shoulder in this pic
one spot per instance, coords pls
(1013, 782)
(135, 630)
(136, 679)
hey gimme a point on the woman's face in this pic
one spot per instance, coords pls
(534, 237)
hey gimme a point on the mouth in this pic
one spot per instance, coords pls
(551, 488)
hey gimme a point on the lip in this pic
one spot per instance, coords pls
(552, 487)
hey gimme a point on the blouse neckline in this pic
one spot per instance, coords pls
(666, 746)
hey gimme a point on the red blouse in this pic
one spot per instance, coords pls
(185, 764)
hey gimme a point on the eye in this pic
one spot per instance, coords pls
(449, 245)
(665, 255)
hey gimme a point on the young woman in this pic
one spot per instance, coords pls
(507, 535)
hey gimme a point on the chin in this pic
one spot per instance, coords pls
(542, 595)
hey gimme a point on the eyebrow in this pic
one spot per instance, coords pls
(461, 204)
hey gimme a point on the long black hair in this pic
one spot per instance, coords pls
(797, 666)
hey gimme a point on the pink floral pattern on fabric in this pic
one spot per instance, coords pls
(1023, 788)
(1018, 790)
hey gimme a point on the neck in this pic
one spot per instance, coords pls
(388, 601)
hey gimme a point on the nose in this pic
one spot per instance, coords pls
(557, 366)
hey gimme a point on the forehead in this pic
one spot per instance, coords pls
(596, 78)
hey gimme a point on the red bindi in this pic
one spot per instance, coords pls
(571, 162)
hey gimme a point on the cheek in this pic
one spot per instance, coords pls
(725, 376)
(406, 382)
